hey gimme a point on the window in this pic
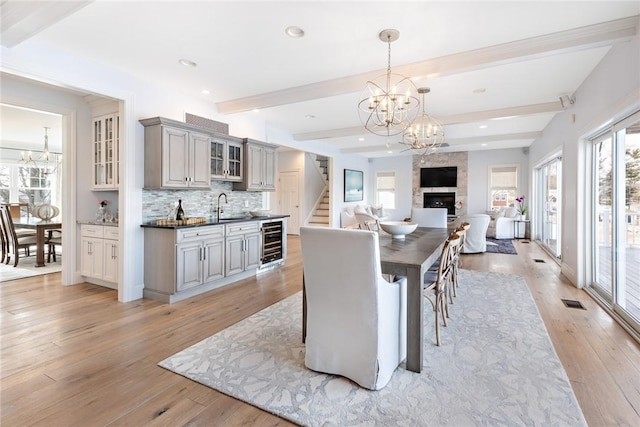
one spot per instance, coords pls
(503, 182)
(386, 189)
(20, 184)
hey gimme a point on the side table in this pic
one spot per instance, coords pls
(516, 228)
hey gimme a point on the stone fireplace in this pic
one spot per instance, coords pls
(440, 200)
(457, 194)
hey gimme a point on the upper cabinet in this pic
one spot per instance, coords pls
(106, 152)
(260, 167)
(226, 158)
(176, 155)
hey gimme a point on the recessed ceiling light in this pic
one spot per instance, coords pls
(256, 110)
(483, 126)
(479, 90)
(309, 116)
(484, 144)
(294, 32)
(205, 92)
(361, 139)
(187, 63)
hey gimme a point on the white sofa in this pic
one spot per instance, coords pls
(348, 215)
(501, 225)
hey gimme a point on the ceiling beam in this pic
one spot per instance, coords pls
(502, 113)
(577, 39)
(450, 142)
(21, 20)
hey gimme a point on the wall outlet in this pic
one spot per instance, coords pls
(246, 203)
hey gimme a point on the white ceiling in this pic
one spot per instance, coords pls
(525, 55)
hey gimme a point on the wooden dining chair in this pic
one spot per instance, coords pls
(14, 242)
(439, 283)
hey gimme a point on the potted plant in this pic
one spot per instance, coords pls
(522, 208)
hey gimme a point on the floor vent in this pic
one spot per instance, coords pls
(538, 260)
(569, 303)
(525, 241)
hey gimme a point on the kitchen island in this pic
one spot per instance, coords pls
(185, 260)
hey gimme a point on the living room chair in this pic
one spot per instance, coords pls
(356, 320)
(439, 283)
(430, 217)
(476, 238)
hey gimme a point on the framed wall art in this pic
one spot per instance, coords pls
(353, 186)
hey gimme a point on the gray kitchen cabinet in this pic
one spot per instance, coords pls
(242, 247)
(178, 260)
(176, 155)
(260, 167)
(227, 158)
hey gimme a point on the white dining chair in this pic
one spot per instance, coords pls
(430, 217)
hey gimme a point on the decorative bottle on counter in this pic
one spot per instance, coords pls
(179, 211)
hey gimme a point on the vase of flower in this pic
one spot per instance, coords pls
(102, 210)
(523, 217)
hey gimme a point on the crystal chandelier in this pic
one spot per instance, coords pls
(389, 103)
(426, 134)
(43, 162)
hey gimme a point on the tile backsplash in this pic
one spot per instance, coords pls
(157, 203)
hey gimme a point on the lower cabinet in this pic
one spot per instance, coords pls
(99, 259)
(243, 247)
(200, 261)
(183, 262)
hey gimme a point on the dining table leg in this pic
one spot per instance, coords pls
(40, 247)
(415, 333)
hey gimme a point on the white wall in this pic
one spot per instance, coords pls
(479, 164)
(611, 92)
(402, 166)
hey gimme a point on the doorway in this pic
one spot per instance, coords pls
(549, 177)
(290, 199)
(615, 224)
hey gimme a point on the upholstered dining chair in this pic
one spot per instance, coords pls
(14, 242)
(356, 320)
(54, 238)
(430, 217)
(476, 239)
(440, 282)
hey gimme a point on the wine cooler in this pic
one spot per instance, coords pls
(273, 243)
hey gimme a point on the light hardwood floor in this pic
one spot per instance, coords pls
(74, 356)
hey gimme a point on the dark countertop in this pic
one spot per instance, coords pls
(209, 222)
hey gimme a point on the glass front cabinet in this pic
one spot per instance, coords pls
(106, 152)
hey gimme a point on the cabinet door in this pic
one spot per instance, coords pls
(254, 163)
(188, 265)
(106, 152)
(269, 170)
(234, 256)
(234, 161)
(199, 169)
(218, 157)
(213, 260)
(252, 246)
(91, 262)
(175, 162)
(110, 267)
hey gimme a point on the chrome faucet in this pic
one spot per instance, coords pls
(219, 209)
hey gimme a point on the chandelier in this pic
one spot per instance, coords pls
(42, 163)
(426, 134)
(389, 103)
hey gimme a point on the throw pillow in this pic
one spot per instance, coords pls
(360, 210)
(511, 212)
(378, 211)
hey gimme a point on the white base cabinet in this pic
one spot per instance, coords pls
(243, 247)
(99, 258)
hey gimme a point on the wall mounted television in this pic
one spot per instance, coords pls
(446, 176)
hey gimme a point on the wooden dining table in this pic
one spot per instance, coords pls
(410, 257)
(41, 226)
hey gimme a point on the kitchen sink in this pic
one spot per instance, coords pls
(238, 218)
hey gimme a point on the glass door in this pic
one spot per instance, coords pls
(616, 231)
(549, 202)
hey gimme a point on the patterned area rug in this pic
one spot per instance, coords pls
(496, 366)
(501, 246)
(27, 268)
